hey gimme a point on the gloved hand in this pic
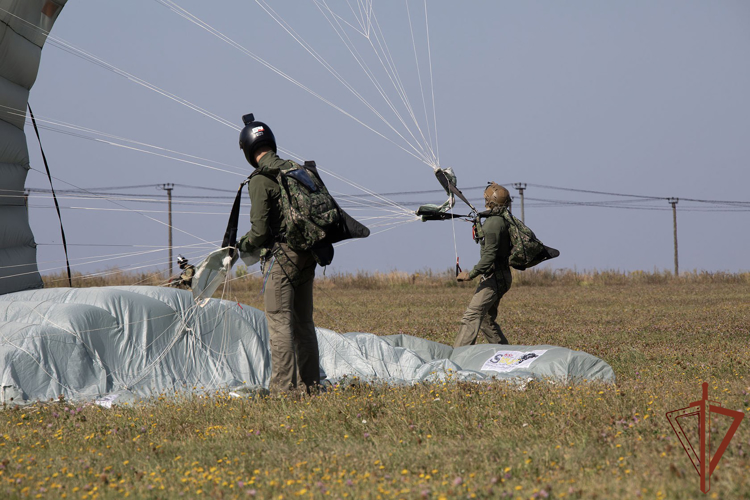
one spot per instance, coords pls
(244, 245)
(463, 276)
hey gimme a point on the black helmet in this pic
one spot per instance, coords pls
(254, 135)
(181, 261)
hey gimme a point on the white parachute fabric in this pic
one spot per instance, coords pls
(23, 28)
(212, 272)
(89, 342)
(406, 359)
(125, 343)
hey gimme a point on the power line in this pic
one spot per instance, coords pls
(591, 191)
(105, 191)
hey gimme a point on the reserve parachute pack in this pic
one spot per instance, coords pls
(525, 248)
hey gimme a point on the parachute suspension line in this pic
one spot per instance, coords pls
(397, 208)
(452, 202)
(432, 85)
(71, 49)
(184, 329)
(58, 43)
(138, 212)
(52, 126)
(63, 45)
(391, 72)
(279, 20)
(98, 259)
(57, 205)
(393, 204)
(365, 16)
(91, 58)
(93, 131)
(193, 19)
(421, 87)
(404, 96)
(393, 226)
(106, 257)
(455, 244)
(363, 189)
(143, 265)
(223, 351)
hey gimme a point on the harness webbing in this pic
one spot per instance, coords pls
(230, 235)
(54, 196)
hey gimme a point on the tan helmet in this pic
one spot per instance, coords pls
(496, 196)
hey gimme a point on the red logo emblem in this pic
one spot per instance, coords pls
(704, 464)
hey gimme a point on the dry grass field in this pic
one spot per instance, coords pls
(663, 336)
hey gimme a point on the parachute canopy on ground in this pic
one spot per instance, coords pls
(24, 25)
(134, 342)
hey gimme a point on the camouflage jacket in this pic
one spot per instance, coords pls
(188, 273)
(266, 215)
(495, 246)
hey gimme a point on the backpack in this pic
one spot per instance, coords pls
(525, 248)
(310, 211)
(314, 221)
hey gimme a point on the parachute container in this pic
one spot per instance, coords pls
(24, 25)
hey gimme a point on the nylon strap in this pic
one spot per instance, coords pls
(230, 235)
(54, 196)
(453, 189)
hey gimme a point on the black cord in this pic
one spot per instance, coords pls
(57, 206)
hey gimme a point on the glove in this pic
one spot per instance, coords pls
(463, 276)
(244, 245)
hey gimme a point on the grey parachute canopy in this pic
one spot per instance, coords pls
(125, 343)
(24, 25)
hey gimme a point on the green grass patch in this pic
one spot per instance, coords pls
(452, 440)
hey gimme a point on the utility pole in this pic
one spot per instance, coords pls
(673, 202)
(168, 188)
(521, 186)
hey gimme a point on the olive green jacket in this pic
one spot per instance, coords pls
(266, 215)
(495, 247)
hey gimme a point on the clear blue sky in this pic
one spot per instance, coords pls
(638, 97)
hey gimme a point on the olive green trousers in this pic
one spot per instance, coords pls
(481, 315)
(288, 298)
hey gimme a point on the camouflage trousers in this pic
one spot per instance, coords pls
(289, 311)
(481, 315)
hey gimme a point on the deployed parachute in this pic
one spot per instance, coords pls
(121, 343)
(23, 28)
(124, 343)
(129, 341)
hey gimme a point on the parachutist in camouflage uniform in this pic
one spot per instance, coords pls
(495, 281)
(288, 292)
(185, 281)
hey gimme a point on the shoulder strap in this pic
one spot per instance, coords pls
(230, 235)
